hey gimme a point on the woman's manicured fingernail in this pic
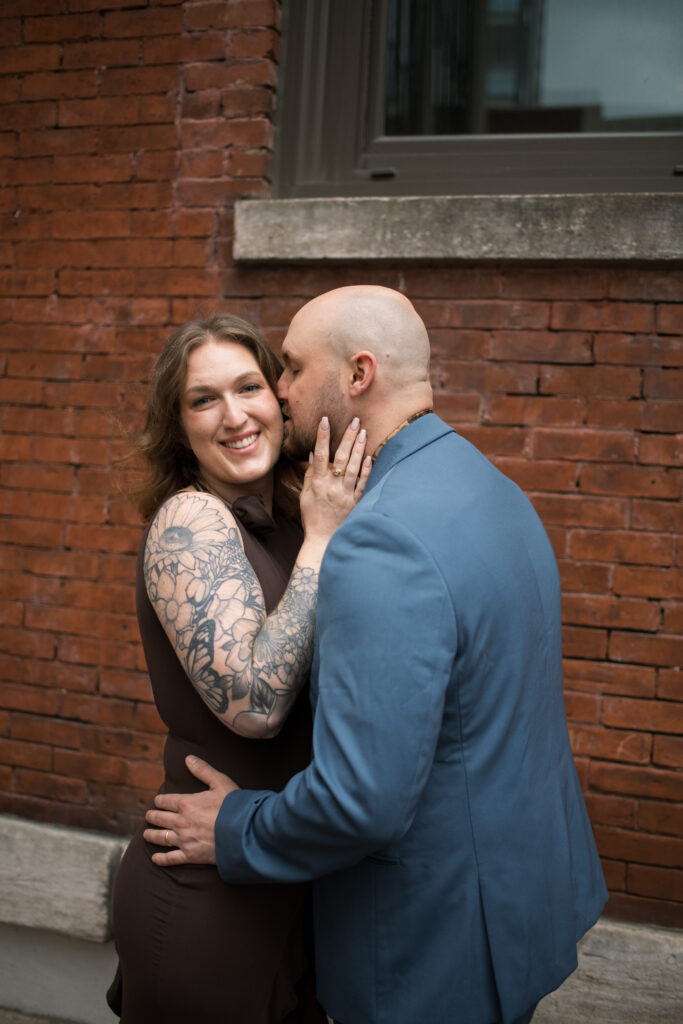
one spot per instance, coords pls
(354, 423)
(363, 434)
(325, 423)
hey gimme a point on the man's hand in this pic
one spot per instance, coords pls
(187, 821)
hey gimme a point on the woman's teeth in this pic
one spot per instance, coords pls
(243, 443)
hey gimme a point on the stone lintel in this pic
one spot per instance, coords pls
(595, 227)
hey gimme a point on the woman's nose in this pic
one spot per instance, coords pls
(233, 413)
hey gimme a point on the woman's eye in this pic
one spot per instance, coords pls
(197, 403)
(252, 387)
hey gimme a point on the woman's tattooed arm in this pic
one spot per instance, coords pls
(246, 666)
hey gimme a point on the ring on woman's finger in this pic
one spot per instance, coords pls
(166, 837)
(337, 472)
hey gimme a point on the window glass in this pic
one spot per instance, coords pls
(458, 67)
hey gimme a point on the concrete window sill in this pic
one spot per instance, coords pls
(598, 227)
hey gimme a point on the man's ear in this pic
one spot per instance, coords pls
(363, 368)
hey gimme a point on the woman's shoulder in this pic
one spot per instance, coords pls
(191, 514)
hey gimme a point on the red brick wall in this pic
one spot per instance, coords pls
(126, 131)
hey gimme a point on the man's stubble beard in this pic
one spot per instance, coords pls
(300, 441)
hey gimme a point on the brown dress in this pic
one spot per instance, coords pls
(193, 950)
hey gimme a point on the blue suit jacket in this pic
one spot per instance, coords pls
(441, 814)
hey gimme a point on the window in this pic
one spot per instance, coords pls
(439, 97)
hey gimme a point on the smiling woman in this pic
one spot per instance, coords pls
(226, 595)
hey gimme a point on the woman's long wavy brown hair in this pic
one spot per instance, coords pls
(172, 465)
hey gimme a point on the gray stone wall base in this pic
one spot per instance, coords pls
(627, 974)
(44, 973)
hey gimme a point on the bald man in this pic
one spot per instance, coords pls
(441, 817)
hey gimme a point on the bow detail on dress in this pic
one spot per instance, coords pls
(251, 511)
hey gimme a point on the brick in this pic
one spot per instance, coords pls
(543, 475)
(54, 787)
(132, 745)
(252, 101)
(251, 133)
(147, 719)
(670, 321)
(534, 411)
(610, 745)
(258, 42)
(30, 755)
(658, 817)
(649, 650)
(31, 533)
(55, 85)
(139, 80)
(484, 377)
(178, 49)
(657, 515)
(59, 140)
(634, 846)
(584, 577)
(672, 621)
(85, 651)
(582, 707)
(649, 715)
(108, 53)
(128, 139)
(458, 409)
(668, 750)
(590, 381)
(127, 685)
(238, 14)
(663, 384)
(613, 810)
(59, 29)
(495, 440)
(622, 546)
(79, 765)
(144, 775)
(92, 169)
(29, 698)
(638, 481)
(92, 224)
(20, 59)
(670, 684)
(644, 582)
(79, 564)
(583, 444)
(614, 873)
(244, 164)
(662, 883)
(638, 349)
(607, 611)
(94, 709)
(632, 781)
(579, 642)
(655, 285)
(602, 316)
(653, 449)
(26, 282)
(570, 510)
(49, 731)
(49, 674)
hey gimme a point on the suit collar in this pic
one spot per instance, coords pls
(409, 440)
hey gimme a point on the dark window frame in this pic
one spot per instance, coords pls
(329, 140)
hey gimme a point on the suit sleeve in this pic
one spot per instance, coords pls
(386, 643)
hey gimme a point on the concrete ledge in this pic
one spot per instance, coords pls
(627, 974)
(57, 878)
(638, 226)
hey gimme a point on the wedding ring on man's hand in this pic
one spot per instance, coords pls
(166, 837)
(337, 472)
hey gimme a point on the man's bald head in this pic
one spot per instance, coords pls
(380, 320)
(355, 351)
